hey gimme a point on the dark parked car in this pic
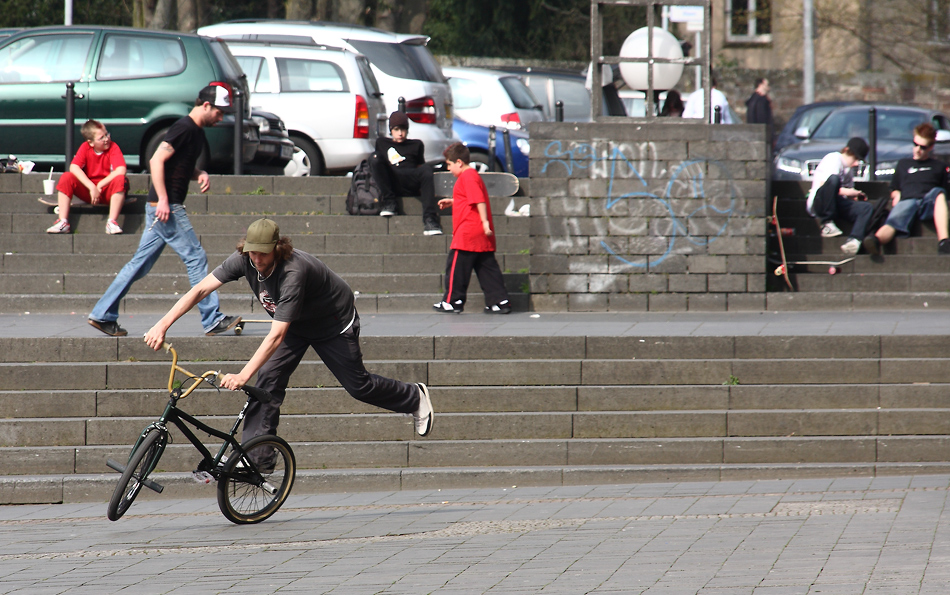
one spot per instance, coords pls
(275, 150)
(549, 85)
(805, 120)
(895, 124)
(137, 82)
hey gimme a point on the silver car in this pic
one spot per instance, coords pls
(402, 64)
(489, 97)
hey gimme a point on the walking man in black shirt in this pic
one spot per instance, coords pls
(918, 191)
(399, 167)
(311, 306)
(166, 222)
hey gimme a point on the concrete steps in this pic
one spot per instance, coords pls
(510, 410)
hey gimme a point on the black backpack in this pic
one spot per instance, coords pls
(364, 194)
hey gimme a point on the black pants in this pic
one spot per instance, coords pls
(396, 181)
(829, 205)
(343, 358)
(458, 273)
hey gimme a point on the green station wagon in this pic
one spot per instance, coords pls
(137, 82)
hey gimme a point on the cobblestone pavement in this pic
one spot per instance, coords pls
(849, 536)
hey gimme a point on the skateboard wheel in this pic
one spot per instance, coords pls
(780, 270)
(832, 270)
(239, 329)
(56, 210)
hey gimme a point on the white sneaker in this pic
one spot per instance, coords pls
(851, 247)
(112, 228)
(830, 230)
(61, 226)
(424, 414)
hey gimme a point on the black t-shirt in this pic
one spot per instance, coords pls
(408, 154)
(301, 290)
(188, 139)
(915, 178)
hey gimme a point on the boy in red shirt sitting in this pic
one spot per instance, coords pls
(473, 240)
(96, 175)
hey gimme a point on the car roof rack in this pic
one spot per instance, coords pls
(277, 39)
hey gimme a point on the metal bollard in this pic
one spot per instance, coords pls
(238, 99)
(509, 160)
(718, 118)
(70, 98)
(872, 142)
(491, 148)
(402, 104)
(558, 111)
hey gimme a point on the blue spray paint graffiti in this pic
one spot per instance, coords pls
(690, 176)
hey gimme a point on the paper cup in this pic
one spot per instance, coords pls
(49, 186)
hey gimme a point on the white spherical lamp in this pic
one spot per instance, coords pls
(665, 45)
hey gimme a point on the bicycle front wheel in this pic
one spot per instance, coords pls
(142, 461)
(254, 485)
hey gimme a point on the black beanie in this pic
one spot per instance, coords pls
(398, 119)
(858, 147)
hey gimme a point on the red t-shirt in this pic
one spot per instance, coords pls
(97, 167)
(467, 231)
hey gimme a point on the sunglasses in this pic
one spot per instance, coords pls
(924, 147)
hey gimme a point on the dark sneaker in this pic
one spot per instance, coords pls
(431, 227)
(944, 246)
(502, 307)
(422, 417)
(388, 209)
(872, 245)
(110, 328)
(447, 308)
(226, 324)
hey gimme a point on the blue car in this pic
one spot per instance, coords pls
(475, 137)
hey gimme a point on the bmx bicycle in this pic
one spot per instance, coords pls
(254, 478)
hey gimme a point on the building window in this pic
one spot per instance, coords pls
(749, 21)
(938, 20)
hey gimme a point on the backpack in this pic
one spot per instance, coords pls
(364, 194)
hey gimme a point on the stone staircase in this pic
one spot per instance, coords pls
(392, 266)
(510, 411)
(910, 275)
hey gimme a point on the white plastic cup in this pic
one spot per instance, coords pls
(49, 186)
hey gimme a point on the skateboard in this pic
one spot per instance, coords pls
(498, 184)
(239, 327)
(782, 270)
(51, 201)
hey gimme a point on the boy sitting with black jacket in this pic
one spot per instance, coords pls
(399, 168)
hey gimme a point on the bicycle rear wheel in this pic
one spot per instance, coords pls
(142, 461)
(242, 497)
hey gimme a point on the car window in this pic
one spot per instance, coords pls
(465, 93)
(258, 73)
(940, 122)
(225, 59)
(401, 60)
(519, 93)
(133, 57)
(310, 75)
(813, 117)
(369, 79)
(891, 124)
(575, 97)
(44, 58)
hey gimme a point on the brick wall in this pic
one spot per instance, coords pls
(637, 217)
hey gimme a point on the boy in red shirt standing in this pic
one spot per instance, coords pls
(473, 240)
(96, 175)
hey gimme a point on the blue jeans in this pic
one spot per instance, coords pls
(177, 233)
(908, 209)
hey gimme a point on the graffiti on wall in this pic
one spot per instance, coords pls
(696, 197)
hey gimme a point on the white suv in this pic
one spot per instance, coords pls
(403, 66)
(327, 97)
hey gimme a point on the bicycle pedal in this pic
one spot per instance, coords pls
(202, 476)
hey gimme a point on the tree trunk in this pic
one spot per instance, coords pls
(187, 15)
(299, 10)
(162, 17)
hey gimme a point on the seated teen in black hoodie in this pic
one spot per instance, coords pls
(399, 168)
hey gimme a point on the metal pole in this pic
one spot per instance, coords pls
(558, 111)
(70, 123)
(402, 104)
(68, 16)
(509, 160)
(718, 118)
(491, 148)
(238, 131)
(808, 52)
(872, 141)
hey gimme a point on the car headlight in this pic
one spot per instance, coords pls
(523, 145)
(262, 123)
(792, 166)
(885, 168)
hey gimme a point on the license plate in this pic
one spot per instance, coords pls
(286, 152)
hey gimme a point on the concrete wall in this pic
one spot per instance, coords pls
(637, 217)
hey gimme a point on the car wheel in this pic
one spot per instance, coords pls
(480, 162)
(306, 160)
